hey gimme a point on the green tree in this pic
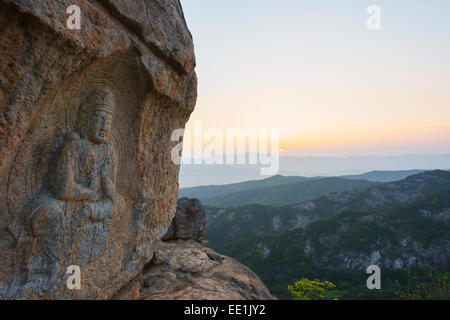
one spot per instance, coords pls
(425, 285)
(306, 289)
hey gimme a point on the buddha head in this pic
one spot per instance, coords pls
(99, 107)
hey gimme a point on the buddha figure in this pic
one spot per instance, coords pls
(70, 218)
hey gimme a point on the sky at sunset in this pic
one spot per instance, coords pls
(313, 70)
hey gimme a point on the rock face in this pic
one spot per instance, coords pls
(189, 221)
(187, 270)
(86, 122)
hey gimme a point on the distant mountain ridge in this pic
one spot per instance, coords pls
(202, 174)
(402, 226)
(282, 190)
(225, 225)
(203, 192)
(286, 193)
(383, 176)
(340, 247)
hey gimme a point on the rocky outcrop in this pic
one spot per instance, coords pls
(189, 221)
(86, 122)
(188, 270)
(184, 268)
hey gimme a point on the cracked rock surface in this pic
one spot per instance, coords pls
(188, 270)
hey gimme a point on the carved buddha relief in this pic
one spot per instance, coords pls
(70, 219)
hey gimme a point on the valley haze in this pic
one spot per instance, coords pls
(192, 175)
